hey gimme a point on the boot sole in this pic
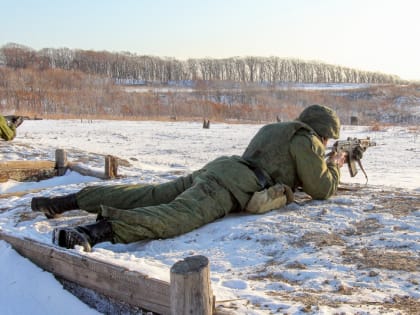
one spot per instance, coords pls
(69, 238)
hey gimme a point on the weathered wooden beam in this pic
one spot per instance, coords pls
(117, 282)
(26, 170)
(23, 164)
(110, 172)
(85, 170)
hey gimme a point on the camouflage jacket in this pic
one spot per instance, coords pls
(6, 132)
(292, 153)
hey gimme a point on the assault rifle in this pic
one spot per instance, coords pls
(354, 148)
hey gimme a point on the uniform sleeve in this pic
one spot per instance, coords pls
(319, 179)
(6, 132)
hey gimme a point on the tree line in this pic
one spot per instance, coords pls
(125, 65)
(86, 84)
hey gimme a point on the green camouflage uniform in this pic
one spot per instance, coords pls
(6, 132)
(290, 153)
(144, 212)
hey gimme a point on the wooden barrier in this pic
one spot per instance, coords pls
(132, 287)
(26, 170)
(110, 172)
(39, 170)
(189, 290)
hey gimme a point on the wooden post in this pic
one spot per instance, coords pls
(111, 167)
(190, 290)
(3, 178)
(60, 161)
(354, 121)
(206, 124)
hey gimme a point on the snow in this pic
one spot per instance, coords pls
(320, 257)
(41, 295)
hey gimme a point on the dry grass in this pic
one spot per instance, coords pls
(382, 259)
(377, 127)
(414, 129)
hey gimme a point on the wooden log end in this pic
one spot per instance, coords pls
(190, 290)
(190, 264)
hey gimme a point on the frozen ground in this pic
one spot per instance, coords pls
(355, 253)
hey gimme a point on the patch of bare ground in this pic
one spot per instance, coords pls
(262, 274)
(399, 205)
(395, 201)
(383, 259)
(404, 303)
(319, 239)
(413, 129)
(370, 225)
(311, 302)
(372, 262)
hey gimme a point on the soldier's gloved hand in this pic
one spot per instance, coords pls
(338, 158)
(271, 198)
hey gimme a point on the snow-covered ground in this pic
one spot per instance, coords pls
(355, 253)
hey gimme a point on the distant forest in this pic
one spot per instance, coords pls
(124, 65)
(65, 83)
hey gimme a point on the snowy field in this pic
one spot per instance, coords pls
(357, 253)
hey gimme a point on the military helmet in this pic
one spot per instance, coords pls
(322, 119)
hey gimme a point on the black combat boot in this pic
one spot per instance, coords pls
(83, 235)
(54, 206)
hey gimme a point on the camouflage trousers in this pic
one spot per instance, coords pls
(139, 212)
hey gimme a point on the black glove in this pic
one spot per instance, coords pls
(358, 153)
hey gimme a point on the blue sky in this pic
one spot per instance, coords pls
(376, 35)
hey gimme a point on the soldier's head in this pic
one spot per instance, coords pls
(323, 120)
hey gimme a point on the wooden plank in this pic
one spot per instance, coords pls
(114, 281)
(23, 164)
(26, 170)
(85, 170)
